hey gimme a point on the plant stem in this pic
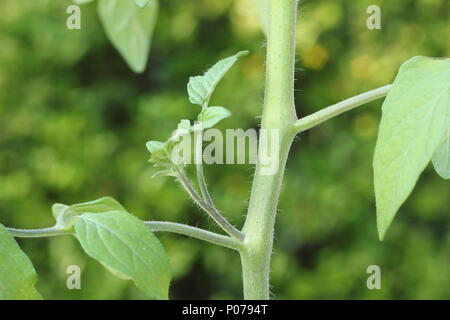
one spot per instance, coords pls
(37, 233)
(201, 178)
(212, 211)
(221, 240)
(278, 114)
(202, 183)
(336, 109)
(155, 226)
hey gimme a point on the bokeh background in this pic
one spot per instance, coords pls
(74, 121)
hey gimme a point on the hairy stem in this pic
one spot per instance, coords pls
(202, 183)
(336, 109)
(38, 233)
(212, 211)
(221, 240)
(201, 176)
(155, 226)
(279, 115)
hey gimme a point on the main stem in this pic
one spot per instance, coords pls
(278, 114)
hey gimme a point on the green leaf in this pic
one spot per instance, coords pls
(97, 206)
(263, 14)
(200, 88)
(415, 118)
(161, 152)
(184, 125)
(209, 117)
(124, 245)
(66, 215)
(441, 159)
(142, 3)
(17, 274)
(130, 29)
(154, 146)
(183, 128)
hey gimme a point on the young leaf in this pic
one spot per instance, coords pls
(97, 206)
(153, 146)
(209, 117)
(200, 88)
(17, 274)
(159, 152)
(66, 215)
(124, 245)
(441, 159)
(183, 128)
(142, 3)
(129, 28)
(184, 125)
(415, 118)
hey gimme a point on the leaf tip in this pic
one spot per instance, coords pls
(382, 226)
(152, 146)
(137, 68)
(242, 53)
(381, 234)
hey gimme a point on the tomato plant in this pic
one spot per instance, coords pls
(414, 130)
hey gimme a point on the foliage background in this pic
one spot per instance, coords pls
(74, 121)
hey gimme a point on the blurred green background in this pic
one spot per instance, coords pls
(74, 121)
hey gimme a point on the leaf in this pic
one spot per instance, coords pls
(200, 88)
(153, 146)
(183, 128)
(130, 29)
(124, 245)
(161, 152)
(415, 118)
(441, 159)
(263, 14)
(66, 215)
(97, 206)
(17, 274)
(142, 3)
(184, 125)
(210, 116)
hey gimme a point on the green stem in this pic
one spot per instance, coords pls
(221, 240)
(336, 109)
(155, 226)
(201, 176)
(212, 211)
(278, 114)
(202, 183)
(38, 233)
